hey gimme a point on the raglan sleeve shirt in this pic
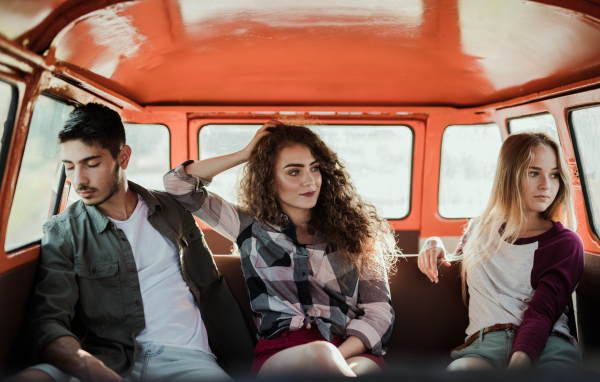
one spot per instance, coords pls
(557, 269)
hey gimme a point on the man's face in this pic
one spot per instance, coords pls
(92, 171)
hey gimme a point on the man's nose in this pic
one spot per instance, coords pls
(79, 177)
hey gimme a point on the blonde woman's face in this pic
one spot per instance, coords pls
(543, 180)
(297, 179)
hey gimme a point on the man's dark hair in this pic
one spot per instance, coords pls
(95, 125)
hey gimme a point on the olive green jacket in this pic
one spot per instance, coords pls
(87, 270)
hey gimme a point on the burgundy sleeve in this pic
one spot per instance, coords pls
(557, 269)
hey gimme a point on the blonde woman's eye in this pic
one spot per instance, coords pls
(533, 173)
(555, 175)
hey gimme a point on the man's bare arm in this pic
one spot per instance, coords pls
(66, 354)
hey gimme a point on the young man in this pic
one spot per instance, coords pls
(132, 265)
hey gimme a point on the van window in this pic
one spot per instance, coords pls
(150, 156)
(585, 131)
(39, 174)
(542, 123)
(378, 158)
(468, 163)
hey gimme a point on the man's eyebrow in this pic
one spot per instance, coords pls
(299, 165)
(538, 168)
(86, 159)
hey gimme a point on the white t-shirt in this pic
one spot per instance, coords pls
(171, 312)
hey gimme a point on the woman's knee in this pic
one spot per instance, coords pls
(321, 353)
(469, 363)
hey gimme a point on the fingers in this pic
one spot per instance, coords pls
(424, 263)
(433, 263)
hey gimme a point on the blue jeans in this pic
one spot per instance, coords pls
(159, 363)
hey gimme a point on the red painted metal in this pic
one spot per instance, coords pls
(415, 52)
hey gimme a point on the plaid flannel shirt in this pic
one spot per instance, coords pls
(291, 285)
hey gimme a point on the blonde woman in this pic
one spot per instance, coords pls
(521, 261)
(315, 255)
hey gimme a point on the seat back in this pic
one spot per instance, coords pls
(430, 318)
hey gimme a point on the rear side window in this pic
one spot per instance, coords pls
(468, 163)
(378, 159)
(539, 123)
(150, 154)
(585, 131)
(39, 174)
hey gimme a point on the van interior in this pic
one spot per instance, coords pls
(416, 96)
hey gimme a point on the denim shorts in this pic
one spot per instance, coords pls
(159, 363)
(495, 347)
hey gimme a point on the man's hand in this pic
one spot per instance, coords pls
(520, 360)
(66, 354)
(95, 370)
(432, 250)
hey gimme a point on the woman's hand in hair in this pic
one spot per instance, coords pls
(432, 250)
(264, 130)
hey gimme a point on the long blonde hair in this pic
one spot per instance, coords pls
(504, 218)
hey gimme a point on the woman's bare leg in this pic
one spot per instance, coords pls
(319, 357)
(469, 363)
(363, 365)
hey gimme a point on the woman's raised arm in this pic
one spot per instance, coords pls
(209, 168)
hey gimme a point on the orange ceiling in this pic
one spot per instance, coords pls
(315, 52)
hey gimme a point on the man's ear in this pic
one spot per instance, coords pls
(124, 157)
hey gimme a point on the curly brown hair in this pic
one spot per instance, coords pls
(363, 238)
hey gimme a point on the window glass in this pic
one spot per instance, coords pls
(37, 184)
(542, 123)
(5, 99)
(150, 156)
(586, 131)
(378, 158)
(469, 158)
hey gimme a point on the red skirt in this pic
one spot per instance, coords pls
(265, 349)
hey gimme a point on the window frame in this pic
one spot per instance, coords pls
(580, 168)
(440, 165)
(55, 206)
(508, 120)
(326, 122)
(9, 127)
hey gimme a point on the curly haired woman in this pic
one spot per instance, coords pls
(315, 255)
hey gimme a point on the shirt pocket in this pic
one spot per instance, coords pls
(100, 294)
(190, 235)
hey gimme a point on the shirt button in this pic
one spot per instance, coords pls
(131, 270)
(137, 302)
(303, 273)
(123, 239)
(94, 270)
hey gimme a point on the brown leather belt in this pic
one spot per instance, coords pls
(497, 328)
(493, 328)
